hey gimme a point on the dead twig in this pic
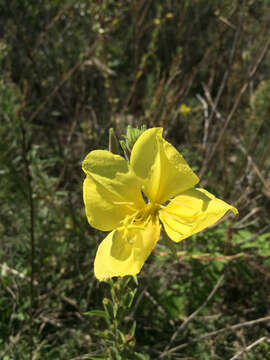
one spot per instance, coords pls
(206, 118)
(220, 331)
(6, 268)
(251, 346)
(257, 171)
(235, 106)
(64, 79)
(191, 317)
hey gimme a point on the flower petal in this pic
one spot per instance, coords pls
(121, 254)
(161, 167)
(191, 212)
(111, 191)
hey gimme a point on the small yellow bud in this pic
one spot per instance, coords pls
(105, 301)
(184, 109)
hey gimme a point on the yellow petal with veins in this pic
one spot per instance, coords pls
(111, 191)
(163, 170)
(191, 212)
(124, 252)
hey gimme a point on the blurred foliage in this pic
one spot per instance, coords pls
(70, 70)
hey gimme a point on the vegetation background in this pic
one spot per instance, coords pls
(70, 70)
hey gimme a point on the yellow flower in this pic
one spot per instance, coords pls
(132, 200)
(184, 109)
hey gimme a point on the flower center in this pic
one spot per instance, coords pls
(138, 221)
(150, 210)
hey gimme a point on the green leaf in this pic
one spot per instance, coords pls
(110, 309)
(135, 279)
(141, 356)
(132, 329)
(128, 298)
(99, 313)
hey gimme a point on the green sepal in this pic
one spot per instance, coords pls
(131, 137)
(125, 149)
(113, 142)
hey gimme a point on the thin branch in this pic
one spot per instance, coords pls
(59, 293)
(249, 215)
(222, 86)
(206, 118)
(252, 237)
(6, 268)
(64, 79)
(236, 326)
(235, 106)
(257, 171)
(192, 316)
(220, 331)
(255, 343)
